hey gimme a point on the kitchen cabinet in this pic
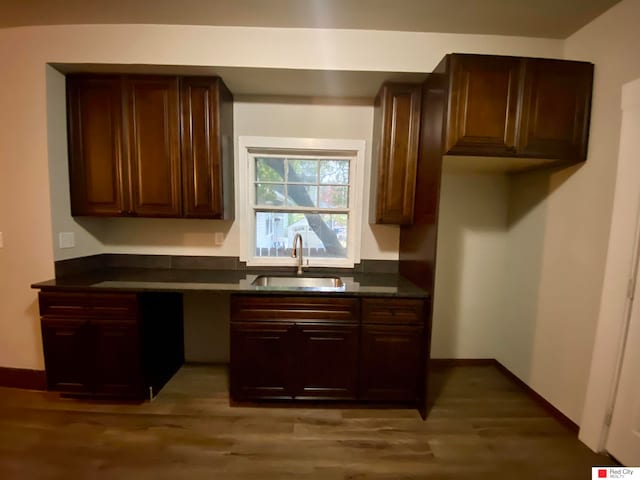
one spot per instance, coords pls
(207, 148)
(151, 146)
(517, 107)
(66, 340)
(97, 162)
(328, 356)
(483, 104)
(320, 348)
(122, 345)
(394, 347)
(396, 128)
(492, 114)
(556, 108)
(293, 347)
(261, 360)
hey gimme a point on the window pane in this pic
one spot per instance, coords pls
(334, 197)
(334, 171)
(271, 234)
(303, 171)
(269, 194)
(269, 169)
(323, 235)
(302, 195)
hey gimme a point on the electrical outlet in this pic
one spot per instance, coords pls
(218, 238)
(66, 240)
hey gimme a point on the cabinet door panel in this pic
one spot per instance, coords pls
(556, 104)
(482, 105)
(97, 171)
(395, 156)
(327, 361)
(118, 359)
(154, 146)
(392, 363)
(67, 348)
(207, 156)
(261, 361)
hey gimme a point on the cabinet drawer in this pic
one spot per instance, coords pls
(333, 309)
(393, 311)
(75, 304)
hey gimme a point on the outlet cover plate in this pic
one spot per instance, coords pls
(66, 240)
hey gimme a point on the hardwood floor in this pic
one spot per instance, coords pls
(481, 426)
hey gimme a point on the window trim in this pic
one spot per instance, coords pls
(249, 146)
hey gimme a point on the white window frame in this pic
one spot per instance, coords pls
(249, 147)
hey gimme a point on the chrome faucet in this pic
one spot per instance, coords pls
(297, 239)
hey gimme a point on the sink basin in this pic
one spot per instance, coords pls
(299, 283)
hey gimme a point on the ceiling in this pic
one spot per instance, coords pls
(533, 18)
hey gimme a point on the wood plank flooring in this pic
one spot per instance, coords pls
(481, 426)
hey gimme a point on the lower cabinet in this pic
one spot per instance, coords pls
(113, 345)
(283, 347)
(391, 365)
(293, 347)
(261, 362)
(65, 341)
(394, 350)
(328, 348)
(117, 358)
(328, 357)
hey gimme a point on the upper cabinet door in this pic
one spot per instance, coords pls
(207, 148)
(154, 146)
(97, 168)
(483, 102)
(555, 110)
(396, 133)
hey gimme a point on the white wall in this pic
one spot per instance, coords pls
(526, 229)
(206, 327)
(471, 265)
(559, 240)
(615, 308)
(87, 231)
(25, 200)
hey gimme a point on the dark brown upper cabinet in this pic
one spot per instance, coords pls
(483, 103)
(396, 131)
(154, 146)
(555, 109)
(97, 163)
(150, 146)
(517, 107)
(207, 152)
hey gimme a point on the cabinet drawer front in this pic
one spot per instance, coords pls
(294, 308)
(393, 311)
(75, 304)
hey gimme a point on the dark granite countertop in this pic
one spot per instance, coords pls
(232, 281)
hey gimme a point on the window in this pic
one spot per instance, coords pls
(307, 186)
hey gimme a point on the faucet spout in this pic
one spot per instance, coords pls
(296, 251)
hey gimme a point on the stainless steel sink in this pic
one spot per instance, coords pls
(299, 283)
